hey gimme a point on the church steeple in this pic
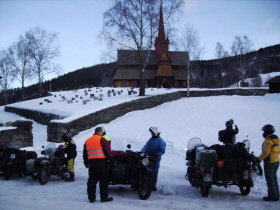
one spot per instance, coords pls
(161, 44)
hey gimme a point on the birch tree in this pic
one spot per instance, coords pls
(43, 51)
(133, 25)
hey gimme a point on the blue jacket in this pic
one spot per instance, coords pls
(155, 146)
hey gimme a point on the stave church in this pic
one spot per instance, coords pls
(166, 69)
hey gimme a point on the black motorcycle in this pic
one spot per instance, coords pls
(53, 163)
(14, 161)
(135, 169)
(220, 165)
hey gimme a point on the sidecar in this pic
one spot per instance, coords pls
(134, 169)
(52, 163)
(14, 161)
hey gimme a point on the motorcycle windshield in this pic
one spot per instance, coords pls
(194, 142)
(50, 149)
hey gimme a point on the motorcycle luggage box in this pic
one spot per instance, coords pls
(208, 158)
(198, 153)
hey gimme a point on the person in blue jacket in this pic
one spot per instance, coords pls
(155, 146)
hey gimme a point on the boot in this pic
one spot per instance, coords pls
(71, 177)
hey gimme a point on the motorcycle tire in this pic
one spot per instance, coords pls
(34, 175)
(8, 172)
(204, 190)
(144, 188)
(245, 187)
(43, 174)
(190, 176)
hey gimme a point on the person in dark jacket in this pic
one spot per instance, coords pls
(96, 154)
(270, 158)
(71, 151)
(155, 147)
(227, 136)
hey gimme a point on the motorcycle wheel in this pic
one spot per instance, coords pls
(34, 175)
(204, 190)
(43, 174)
(244, 187)
(145, 188)
(189, 176)
(8, 172)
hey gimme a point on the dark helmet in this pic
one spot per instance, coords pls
(229, 123)
(268, 129)
(154, 130)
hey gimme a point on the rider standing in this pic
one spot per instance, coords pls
(71, 151)
(105, 136)
(155, 147)
(96, 154)
(270, 157)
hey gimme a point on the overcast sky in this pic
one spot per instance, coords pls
(78, 22)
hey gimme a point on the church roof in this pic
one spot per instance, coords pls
(130, 57)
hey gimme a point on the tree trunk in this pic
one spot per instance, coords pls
(142, 83)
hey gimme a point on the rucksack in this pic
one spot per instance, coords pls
(222, 137)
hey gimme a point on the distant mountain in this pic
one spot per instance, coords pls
(203, 74)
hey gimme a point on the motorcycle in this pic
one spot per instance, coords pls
(220, 165)
(135, 169)
(13, 161)
(53, 163)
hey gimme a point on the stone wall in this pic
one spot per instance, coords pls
(56, 130)
(17, 134)
(39, 117)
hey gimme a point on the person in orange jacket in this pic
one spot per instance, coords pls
(97, 155)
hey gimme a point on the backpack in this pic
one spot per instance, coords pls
(222, 137)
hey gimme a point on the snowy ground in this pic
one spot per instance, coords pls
(179, 121)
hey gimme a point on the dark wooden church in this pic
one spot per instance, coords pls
(165, 68)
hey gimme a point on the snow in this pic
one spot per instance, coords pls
(178, 121)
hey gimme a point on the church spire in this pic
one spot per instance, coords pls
(161, 33)
(161, 44)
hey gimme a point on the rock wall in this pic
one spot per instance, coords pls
(17, 134)
(56, 130)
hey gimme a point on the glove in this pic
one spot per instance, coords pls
(256, 162)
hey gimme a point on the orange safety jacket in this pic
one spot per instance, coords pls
(94, 148)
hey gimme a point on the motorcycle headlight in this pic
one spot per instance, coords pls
(145, 161)
(13, 156)
(47, 156)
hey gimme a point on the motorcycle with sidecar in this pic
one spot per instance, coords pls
(54, 163)
(219, 165)
(135, 169)
(13, 160)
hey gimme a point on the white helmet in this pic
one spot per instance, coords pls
(154, 130)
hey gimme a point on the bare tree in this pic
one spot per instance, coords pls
(20, 59)
(188, 40)
(241, 48)
(133, 25)
(43, 50)
(6, 72)
(220, 54)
